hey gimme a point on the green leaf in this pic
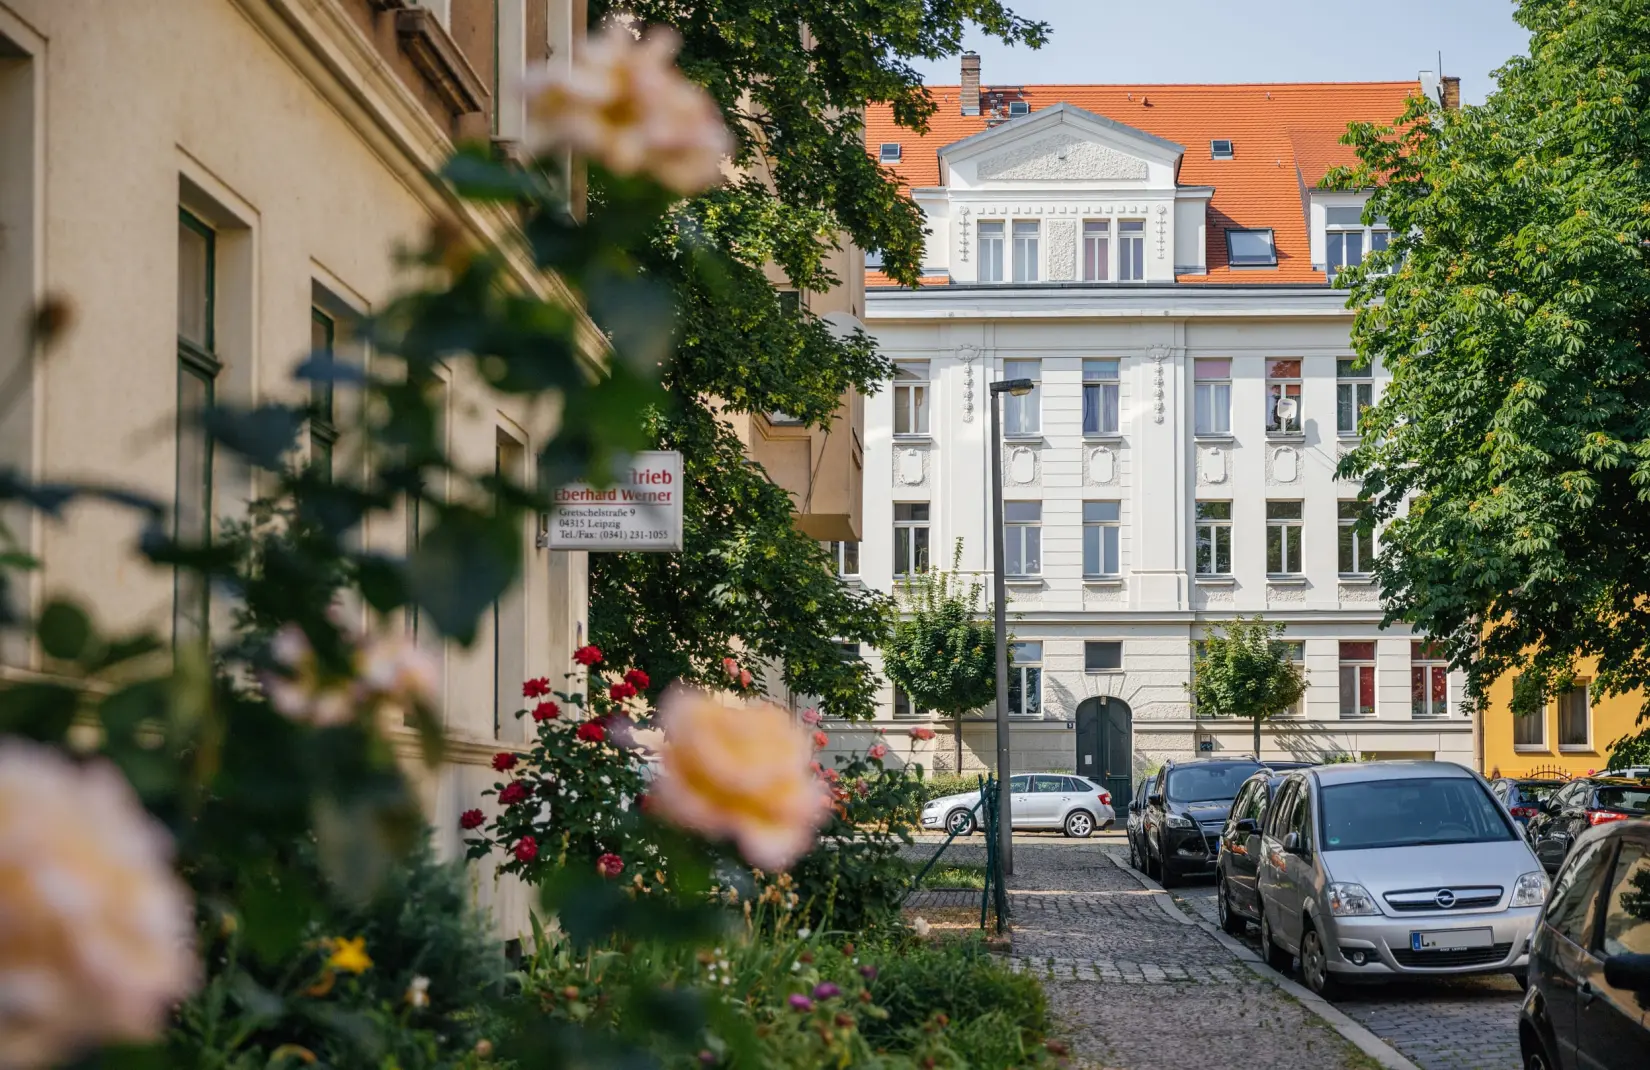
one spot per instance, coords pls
(38, 711)
(64, 631)
(263, 435)
(460, 567)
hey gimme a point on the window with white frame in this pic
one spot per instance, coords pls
(1283, 538)
(198, 368)
(1357, 680)
(1347, 240)
(1355, 542)
(1212, 396)
(1250, 248)
(904, 709)
(1025, 250)
(1023, 415)
(1100, 537)
(1295, 650)
(991, 241)
(1354, 392)
(1096, 250)
(1530, 729)
(888, 152)
(1574, 718)
(1214, 538)
(911, 397)
(1100, 397)
(1103, 656)
(1131, 250)
(910, 538)
(1428, 680)
(1023, 538)
(847, 557)
(1221, 149)
(1283, 397)
(1025, 679)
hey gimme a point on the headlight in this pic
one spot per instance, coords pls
(1530, 890)
(1176, 821)
(1351, 900)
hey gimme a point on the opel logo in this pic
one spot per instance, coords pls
(1445, 899)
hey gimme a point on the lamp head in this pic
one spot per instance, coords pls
(1017, 387)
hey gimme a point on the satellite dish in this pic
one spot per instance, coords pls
(1287, 407)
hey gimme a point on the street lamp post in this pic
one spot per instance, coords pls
(999, 598)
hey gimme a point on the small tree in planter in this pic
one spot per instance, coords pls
(1246, 672)
(943, 654)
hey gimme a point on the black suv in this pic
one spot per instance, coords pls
(1583, 803)
(1182, 814)
(1588, 1001)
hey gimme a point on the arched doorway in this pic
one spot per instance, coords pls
(1105, 747)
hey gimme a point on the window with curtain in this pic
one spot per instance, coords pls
(990, 241)
(1025, 250)
(1357, 680)
(1096, 250)
(1100, 390)
(1100, 538)
(1212, 396)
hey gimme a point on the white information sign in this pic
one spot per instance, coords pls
(642, 511)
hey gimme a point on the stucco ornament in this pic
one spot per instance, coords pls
(1285, 464)
(1022, 465)
(1102, 465)
(962, 235)
(1062, 249)
(968, 354)
(1061, 155)
(1211, 464)
(910, 467)
(1158, 355)
(1285, 593)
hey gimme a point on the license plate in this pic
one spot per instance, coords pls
(1451, 939)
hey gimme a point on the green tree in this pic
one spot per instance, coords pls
(1246, 671)
(747, 584)
(943, 655)
(1516, 429)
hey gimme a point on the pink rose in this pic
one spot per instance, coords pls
(877, 752)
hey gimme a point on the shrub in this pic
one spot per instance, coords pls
(854, 878)
(964, 981)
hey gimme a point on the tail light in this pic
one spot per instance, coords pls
(1105, 798)
(1523, 811)
(1604, 817)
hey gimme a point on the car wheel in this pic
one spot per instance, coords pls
(1080, 824)
(959, 823)
(1535, 1053)
(1315, 964)
(1276, 957)
(1165, 875)
(1231, 922)
(1134, 856)
(1523, 979)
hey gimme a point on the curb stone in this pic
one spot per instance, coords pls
(1355, 1034)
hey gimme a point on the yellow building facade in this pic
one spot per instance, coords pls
(1571, 735)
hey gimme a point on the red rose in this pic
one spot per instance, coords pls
(588, 655)
(536, 688)
(621, 691)
(642, 801)
(546, 711)
(638, 679)
(610, 865)
(471, 819)
(527, 849)
(591, 732)
(513, 792)
(504, 760)
(820, 739)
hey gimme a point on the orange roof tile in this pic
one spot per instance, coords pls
(1285, 138)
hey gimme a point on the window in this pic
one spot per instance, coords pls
(509, 609)
(1131, 250)
(1295, 650)
(1025, 679)
(1574, 718)
(911, 397)
(198, 368)
(888, 152)
(991, 251)
(1100, 397)
(910, 538)
(1250, 248)
(1530, 729)
(903, 707)
(1025, 250)
(1220, 149)
(1346, 239)
(1214, 538)
(1102, 657)
(1283, 538)
(1428, 681)
(1212, 392)
(1017, 108)
(1357, 679)
(1354, 392)
(1100, 534)
(1627, 910)
(1283, 396)
(1022, 415)
(1356, 543)
(1096, 250)
(847, 558)
(1570, 908)
(1023, 538)
(323, 426)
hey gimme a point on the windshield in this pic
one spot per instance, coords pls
(1207, 783)
(1410, 813)
(1632, 800)
(1537, 792)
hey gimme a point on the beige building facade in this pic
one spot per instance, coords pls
(211, 184)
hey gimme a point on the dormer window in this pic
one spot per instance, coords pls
(1250, 248)
(889, 152)
(1347, 240)
(1017, 108)
(1220, 149)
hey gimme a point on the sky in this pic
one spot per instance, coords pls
(1104, 42)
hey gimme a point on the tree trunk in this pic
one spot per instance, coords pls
(958, 725)
(1257, 737)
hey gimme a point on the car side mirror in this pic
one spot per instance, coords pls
(1294, 845)
(1155, 798)
(1246, 826)
(1549, 806)
(1134, 807)
(1629, 972)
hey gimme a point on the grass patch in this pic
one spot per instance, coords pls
(946, 875)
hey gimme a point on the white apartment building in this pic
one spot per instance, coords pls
(1157, 260)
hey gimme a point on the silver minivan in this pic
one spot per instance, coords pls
(1388, 869)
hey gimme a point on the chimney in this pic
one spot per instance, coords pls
(1452, 92)
(970, 95)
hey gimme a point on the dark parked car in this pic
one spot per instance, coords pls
(1283, 767)
(1183, 812)
(1134, 827)
(1237, 896)
(1579, 805)
(1588, 1001)
(1523, 797)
